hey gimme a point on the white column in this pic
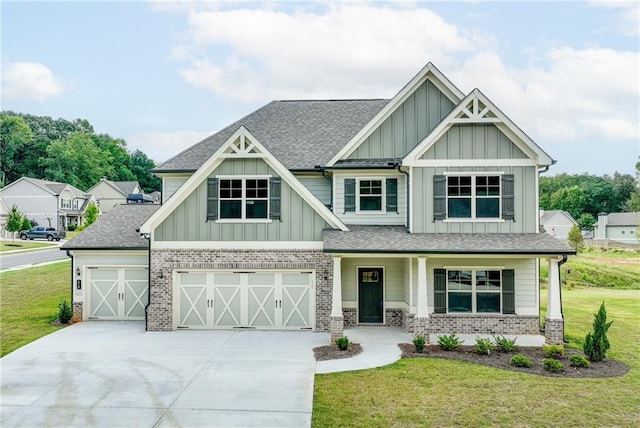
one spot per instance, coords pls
(553, 299)
(423, 308)
(336, 296)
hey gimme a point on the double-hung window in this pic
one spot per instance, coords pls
(474, 196)
(470, 290)
(65, 204)
(370, 195)
(244, 198)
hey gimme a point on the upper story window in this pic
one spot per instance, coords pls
(473, 197)
(76, 204)
(240, 199)
(65, 203)
(371, 194)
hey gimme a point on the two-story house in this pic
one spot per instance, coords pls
(420, 211)
(109, 194)
(49, 203)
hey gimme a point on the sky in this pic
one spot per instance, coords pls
(164, 75)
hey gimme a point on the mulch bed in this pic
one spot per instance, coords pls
(331, 352)
(497, 359)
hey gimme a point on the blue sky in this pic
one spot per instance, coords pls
(164, 75)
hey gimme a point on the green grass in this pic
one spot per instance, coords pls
(29, 302)
(22, 245)
(597, 268)
(433, 392)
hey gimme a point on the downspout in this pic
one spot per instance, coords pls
(146, 308)
(560, 263)
(397, 166)
(323, 171)
(72, 266)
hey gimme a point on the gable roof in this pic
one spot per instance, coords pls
(428, 72)
(300, 134)
(623, 219)
(122, 187)
(549, 214)
(250, 147)
(477, 108)
(115, 230)
(53, 187)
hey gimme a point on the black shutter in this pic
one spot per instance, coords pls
(508, 205)
(440, 291)
(508, 292)
(274, 198)
(349, 195)
(439, 197)
(212, 198)
(392, 194)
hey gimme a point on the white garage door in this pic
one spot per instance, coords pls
(117, 293)
(278, 300)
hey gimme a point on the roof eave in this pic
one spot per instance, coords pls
(474, 252)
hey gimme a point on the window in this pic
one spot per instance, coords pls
(473, 196)
(370, 193)
(244, 198)
(66, 203)
(474, 290)
(76, 204)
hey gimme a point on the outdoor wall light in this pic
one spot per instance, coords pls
(78, 271)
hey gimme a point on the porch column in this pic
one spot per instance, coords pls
(336, 319)
(554, 323)
(421, 327)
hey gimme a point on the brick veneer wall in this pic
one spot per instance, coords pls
(554, 331)
(484, 324)
(77, 309)
(163, 262)
(350, 317)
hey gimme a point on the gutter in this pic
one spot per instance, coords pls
(146, 308)
(398, 165)
(560, 263)
(445, 252)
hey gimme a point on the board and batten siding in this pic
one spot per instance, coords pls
(396, 285)
(409, 124)
(525, 200)
(188, 222)
(474, 141)
(319, 185)
(171, 184)
(526, 284)
(397, 218)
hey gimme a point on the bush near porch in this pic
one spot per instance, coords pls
(436, 392)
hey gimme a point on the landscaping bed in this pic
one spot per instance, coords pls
(501, 360)
(331, 352)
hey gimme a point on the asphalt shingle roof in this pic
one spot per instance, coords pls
(300, 134)
(125, 187)
(115, 230)
(395, 239)
(623, 219)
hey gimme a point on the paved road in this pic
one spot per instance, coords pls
(27, 258)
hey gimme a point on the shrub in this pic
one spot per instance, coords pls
(484, 346)
(520, 360)
(64, 312)
(552, 365)
(578, 361)
(82, 227)
(449, 343)
(596, 345)
(507, 345)
(342, 343)
(554, 351)
(72, 227)
(419, 343)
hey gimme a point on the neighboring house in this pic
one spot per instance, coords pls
(419, 212)
(49, 203)
(620, 227)
(109, 194)
(4, 215)
(557, 223)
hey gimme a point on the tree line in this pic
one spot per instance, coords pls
(68, 152)
(584, 196)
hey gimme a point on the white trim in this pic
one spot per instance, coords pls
(473, 162)
(510, 129)
(243, 220)
(474, 220)
(215, 160)
(472, 173)
(428, 72)
(474, 291)
(237, 245)
(384, 294)
(383, 196)
(473, 267)
(474, 197)
(243, 199)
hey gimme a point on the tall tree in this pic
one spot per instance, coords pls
(570, 199)
(140, 165)
(14, 134)
(633, 204)
(91, 214)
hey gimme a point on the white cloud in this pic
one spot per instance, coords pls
(627, 20)
(161, 146)
(29, 80)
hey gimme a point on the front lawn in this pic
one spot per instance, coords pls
(29, 302)
(435, 392)
(22, 245)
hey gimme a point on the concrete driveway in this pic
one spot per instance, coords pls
(114, 374)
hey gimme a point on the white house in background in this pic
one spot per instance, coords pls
(110, 194)
(4, 215)
(49, 203)
(620, 227)
(557, 223)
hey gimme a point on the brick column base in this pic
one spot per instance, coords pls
(553, 331)
(421, 327)
(336, 326)
(77, 310)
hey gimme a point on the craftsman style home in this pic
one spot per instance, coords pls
(418, 212)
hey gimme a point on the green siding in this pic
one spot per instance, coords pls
(395, 286)
(474, 141)
(409, 124)
(188, 222)
(525, 202)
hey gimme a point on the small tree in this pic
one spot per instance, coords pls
(91, 214)
(575, 238)
(596, 344)
(26, 224)
(14, 222)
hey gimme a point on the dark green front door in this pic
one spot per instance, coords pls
(370, 295)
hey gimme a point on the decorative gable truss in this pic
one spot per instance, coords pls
(242, 144)
(476, 108)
